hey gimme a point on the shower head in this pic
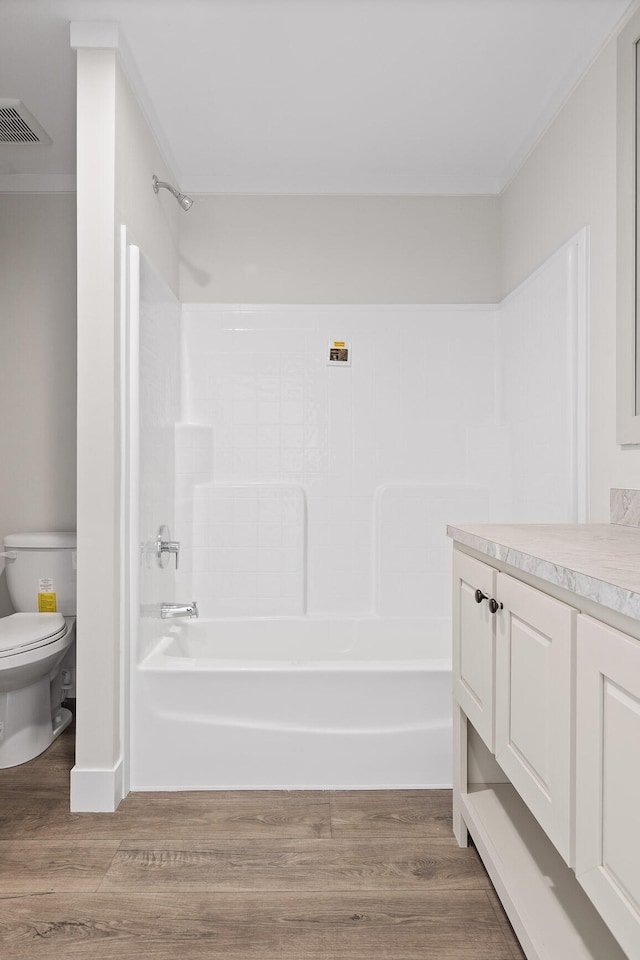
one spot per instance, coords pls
(184, 201)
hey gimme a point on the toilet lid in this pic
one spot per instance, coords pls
(26, 631)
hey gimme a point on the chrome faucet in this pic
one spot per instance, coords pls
(168, 611)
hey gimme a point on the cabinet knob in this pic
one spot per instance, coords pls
(480, 596)
(494, 605)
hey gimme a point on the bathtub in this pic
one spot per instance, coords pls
(299, 703)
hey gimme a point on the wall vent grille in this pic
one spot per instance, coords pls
(17, 125)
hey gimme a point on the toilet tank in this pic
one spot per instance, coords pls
(41, 572)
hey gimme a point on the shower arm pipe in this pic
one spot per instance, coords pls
(184, 201)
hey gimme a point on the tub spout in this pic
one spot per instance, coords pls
(170, 610)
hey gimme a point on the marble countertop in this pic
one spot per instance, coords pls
(597, 561)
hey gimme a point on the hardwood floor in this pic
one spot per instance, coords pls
(238, 876)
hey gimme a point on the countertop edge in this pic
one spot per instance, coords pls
(609, 595)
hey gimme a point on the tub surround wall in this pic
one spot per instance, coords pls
(159, 392)
(308, 488)
(543, 346)
(412, 563)
(313, 461)
(155, 359)
(245, 549)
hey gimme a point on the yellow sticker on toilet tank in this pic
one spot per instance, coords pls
(47, 603)
(46, 596)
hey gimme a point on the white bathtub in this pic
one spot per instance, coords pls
(301, 703)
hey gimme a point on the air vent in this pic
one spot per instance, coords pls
(17, 125)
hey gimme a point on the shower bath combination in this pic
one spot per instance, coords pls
(184, 201)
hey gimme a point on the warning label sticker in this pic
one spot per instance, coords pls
(47, 603)
(46, 596)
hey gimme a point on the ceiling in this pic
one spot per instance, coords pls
(314, 96)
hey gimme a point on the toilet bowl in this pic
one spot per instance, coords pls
(40, 571)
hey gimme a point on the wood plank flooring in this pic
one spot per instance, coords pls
(264, 875)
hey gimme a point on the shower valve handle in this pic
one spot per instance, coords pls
(165, 545)
(171, 546)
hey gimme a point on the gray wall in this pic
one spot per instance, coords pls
(568, 181)
(37, 365)
(339, 249)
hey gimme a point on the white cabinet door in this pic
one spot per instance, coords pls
(608, 777)
(534, 645)
(474, 642)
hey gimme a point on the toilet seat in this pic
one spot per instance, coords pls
(21, 632)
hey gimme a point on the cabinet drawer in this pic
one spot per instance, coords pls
(608, 777)
(474, 643)
(534, 683)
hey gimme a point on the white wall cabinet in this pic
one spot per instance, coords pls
(516, 673)
(608, 776)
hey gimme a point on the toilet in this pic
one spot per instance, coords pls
(36, 643)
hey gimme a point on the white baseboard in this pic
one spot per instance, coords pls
(96, 791)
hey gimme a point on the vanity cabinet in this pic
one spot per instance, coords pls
(512, 657)
(608, 776)
(540, 690)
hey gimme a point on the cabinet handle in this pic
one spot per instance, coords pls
(494, 605)
(480, 596)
